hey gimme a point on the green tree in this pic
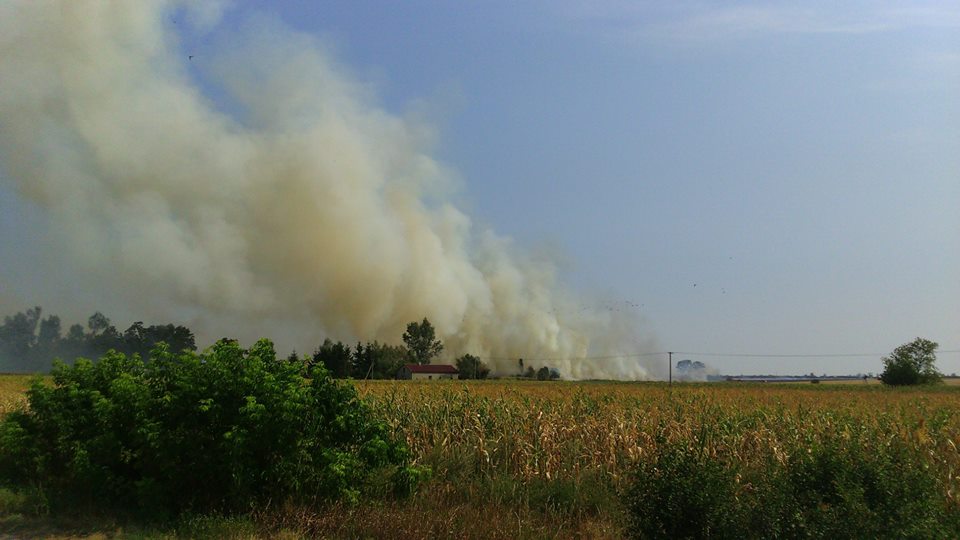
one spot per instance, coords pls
(98, 323)
(359, 363)
(17, 340)
(335, 357)
(378, 360)
(74, 344)
(471, 367)
(178, 338)
(17, 334)
(47, 345)
(385, 359)
(912, 363)
(75, 333)
(422, 342)
(543, 374)
(49, 335)
(103, 336)
(135, 339)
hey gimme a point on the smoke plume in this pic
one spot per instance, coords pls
(290, 204)
(693, 371)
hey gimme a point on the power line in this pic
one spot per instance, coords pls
(689, 353)
(543, 359)
(829, 355)
(757, 355)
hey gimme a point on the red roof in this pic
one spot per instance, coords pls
(431, 368)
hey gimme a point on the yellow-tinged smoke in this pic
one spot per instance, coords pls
(300, 203)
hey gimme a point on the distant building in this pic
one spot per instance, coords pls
(427, 371)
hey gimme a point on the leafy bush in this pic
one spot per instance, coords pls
(840, 487)
(217, 431)
(682, 493)
(834, 489)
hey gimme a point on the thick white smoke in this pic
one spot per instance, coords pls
(290, 201)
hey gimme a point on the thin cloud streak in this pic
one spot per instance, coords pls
(691, 22)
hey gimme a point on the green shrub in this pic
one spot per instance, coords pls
(217, 431)
(836, 489)
(840, 486)
(682, 493)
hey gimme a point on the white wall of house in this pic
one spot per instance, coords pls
(433, 376)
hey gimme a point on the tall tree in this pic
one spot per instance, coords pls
(17, 338)
(378, 360)
(49, 336)
(543, 374)
(178, 338)
(421, 341)
(75, 333)
(471, 367)
(103, 336)
(98, 323)
(141, 340)
(359, 363)
(385, 359)
(74, 344)
(335, 357)
(48, 345)
(135, 339)
(912, 363)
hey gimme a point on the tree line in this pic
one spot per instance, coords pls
(375, 360)
(30, 343)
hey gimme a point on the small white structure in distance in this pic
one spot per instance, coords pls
(427, 371)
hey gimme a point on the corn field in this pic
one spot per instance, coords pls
(13, 392)
(528, 459)
(567, 431)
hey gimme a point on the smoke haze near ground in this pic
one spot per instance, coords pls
(291, 206)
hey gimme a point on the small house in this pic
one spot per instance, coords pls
(427, 371)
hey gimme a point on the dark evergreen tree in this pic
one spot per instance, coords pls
(359, 363)
(336, 357)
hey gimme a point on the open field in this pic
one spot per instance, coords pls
(524, 459)
(947, 381)
(12, 388)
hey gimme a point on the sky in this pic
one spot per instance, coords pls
(741, 179)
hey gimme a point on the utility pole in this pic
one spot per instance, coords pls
(670, 366)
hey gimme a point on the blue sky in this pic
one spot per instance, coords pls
(748, 177)
(760, 178)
